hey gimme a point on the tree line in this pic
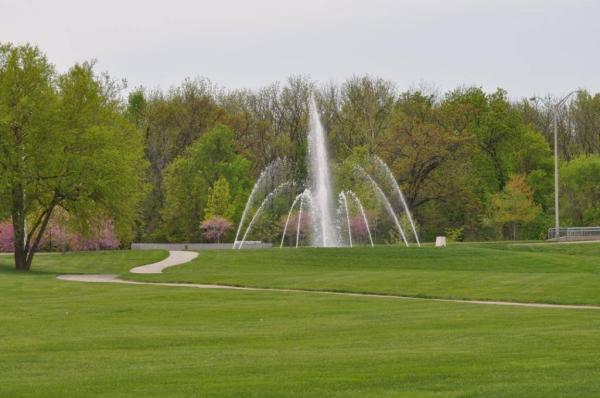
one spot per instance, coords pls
(473, 165)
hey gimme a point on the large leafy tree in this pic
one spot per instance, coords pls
(358, 113)
(419, 144)
(432, 161)
(64, 144)
(271, 122)
(189, 177)
(499, 129)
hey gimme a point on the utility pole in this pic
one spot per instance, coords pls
(556, 209)
(555, 108)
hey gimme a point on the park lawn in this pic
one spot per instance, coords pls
(93, 262)
(547, 273)
(70, 339)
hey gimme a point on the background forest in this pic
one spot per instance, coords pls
(83, 159)
(473, 165)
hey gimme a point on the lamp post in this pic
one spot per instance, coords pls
(554, 108)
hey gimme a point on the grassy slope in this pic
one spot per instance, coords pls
(73, 339)
(566, 274)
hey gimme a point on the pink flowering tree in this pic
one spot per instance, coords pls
(102, 237)
(56, 237)
(6, 237)
(359, 229)
(215, 228)
(59, 236)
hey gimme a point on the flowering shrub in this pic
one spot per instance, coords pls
(59, 237)
(215, 229)
(103, 238)
(359, 228)
(6, 237)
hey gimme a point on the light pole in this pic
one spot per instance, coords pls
(554, 108)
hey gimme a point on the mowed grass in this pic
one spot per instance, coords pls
(104, 262)
(70, 339)
(546, 273)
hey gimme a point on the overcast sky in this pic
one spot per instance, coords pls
(527, 47)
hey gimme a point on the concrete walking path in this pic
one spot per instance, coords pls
(182, 257)
(176, 257)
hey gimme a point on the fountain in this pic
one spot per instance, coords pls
(324, 233)
(363, 214)
(313, 201)
(271, 175)
(344, 205)
(392, 180)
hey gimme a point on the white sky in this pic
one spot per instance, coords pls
(527, 47)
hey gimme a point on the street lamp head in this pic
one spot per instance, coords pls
(566, 97)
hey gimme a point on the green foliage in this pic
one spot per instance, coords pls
(65, 144)
(170, 122)
(515, 204)
(71, 141)
(496, 126)
(531, 153)
(189, 178)
(219, 201)
(421, 150)
(104, 168)
(363, 114)
(580, 191)
(450, 153)
(584, 115)
(136, 106)
(347, 177)
(455, 234)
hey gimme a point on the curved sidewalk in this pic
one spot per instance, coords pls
(176, 257)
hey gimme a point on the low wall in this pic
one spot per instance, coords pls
(198, 246)
(573, 238)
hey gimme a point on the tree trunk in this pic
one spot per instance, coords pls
(35, 236)
(26, 242)
(18, 207)
(19, 241)
(21, 260)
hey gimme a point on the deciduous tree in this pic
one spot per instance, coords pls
(515, 204)
(580, 191)
(64, 143)
(215, 229)
(219, 201)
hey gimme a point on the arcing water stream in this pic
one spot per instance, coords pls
(316, 199)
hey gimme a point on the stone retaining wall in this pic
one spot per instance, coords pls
(198, 246)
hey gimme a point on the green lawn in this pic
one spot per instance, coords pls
(566, 274)
(104, 262)
(70, 339)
